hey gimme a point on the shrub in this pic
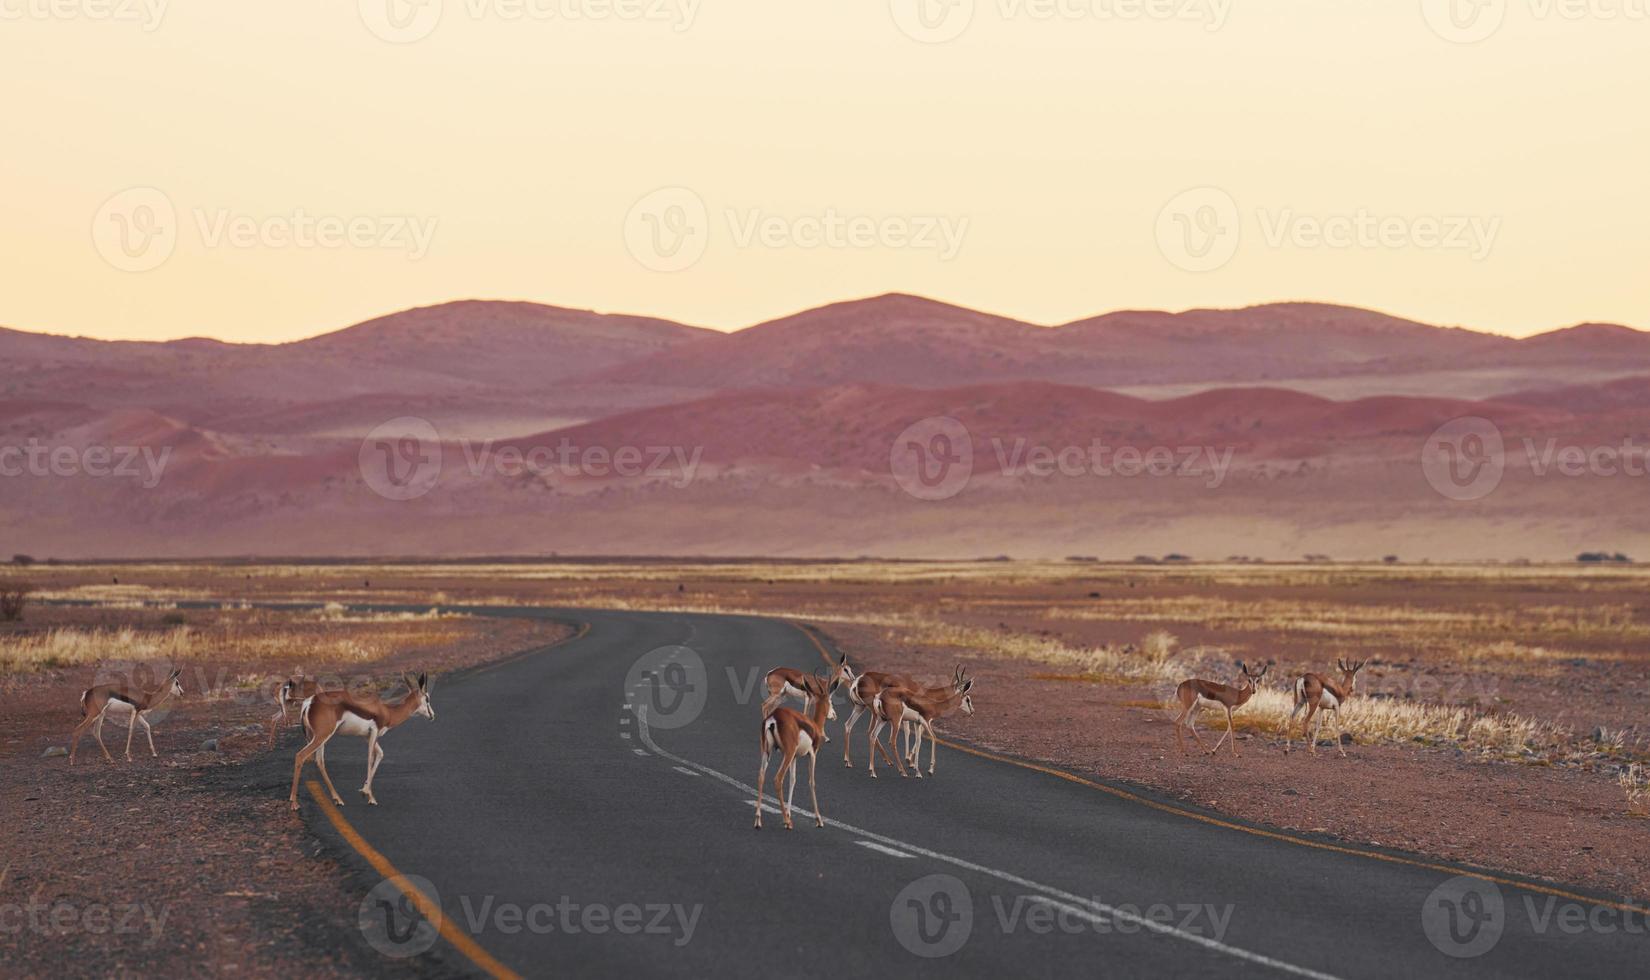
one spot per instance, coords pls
(12, 600)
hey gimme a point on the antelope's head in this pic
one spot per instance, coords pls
(419, 689)
(964, 684)
(1349, 673)
(843, 673)
(824, 688)
(1252, 676)
(174, 683)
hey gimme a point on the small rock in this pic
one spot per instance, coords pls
(1598, 734)
(1346, 738)
(54, 752)
(210, 745)
(1290, 792)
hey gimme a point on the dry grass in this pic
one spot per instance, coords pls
(1635, 785)
(251, 641)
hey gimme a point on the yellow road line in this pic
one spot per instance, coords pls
(1290, 839)
(430, 910)
(826, 654)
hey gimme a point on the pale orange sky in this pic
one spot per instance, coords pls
(1497, 184)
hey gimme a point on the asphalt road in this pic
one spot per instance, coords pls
(586, 810)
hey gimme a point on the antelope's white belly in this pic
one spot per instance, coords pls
(354, 724)
(804, 742)
(1327, 700)
(794, 692)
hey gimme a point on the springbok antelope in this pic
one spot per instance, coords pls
(95, 702)
(328, 713)
(1315, 693)
(863, 694)
(293, 692)
(792, 734)
(1196, 692)
(900, 706)
(786, 682)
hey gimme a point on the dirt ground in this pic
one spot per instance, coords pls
(172, 866)
(1559, 656)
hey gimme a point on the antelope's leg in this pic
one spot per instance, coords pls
(761, 777)
(321, 764)
(813, 760)
(79, 733)
(1224, 737)
(1191, 723)
(374, 754)
(97, 730)
(303, 756)
(131, 726)
(276, 722)
(1179, 721)
(149, 733)
(933, 750)
(785, 766)
(875, 744)
(1339, 742)
(848, 730)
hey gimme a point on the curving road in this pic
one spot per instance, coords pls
(586, 810)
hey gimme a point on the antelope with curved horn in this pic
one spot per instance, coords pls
(863, 694)
(95, 702)
(900, 707)
(783, 682)
(792, 733)
(329, 713)
(1196, 692)
(1316, 693)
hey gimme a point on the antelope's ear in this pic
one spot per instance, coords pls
(968, 685)
(410, 681)
(175, 672)
(1242, 667)
(423, 681)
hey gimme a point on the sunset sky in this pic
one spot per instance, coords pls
(722, 162)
